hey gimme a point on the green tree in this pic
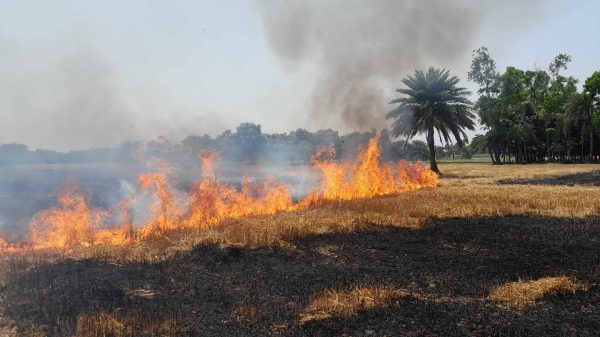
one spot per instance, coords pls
(559, 63)
(517, 115)
(580, 114)
(581, 109)
(536, 83)
(592, 87)
(417, 150)
(554, 106)
(483, 72)
(596, 122)
(433, 101)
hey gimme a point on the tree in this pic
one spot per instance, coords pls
(417, 149)
(559, 63)
(592, 87)
(483, 72)
(580, 114)
(537, 83)
(432, 102)
(596, 122)
(248, 141)
(559, 94)
(521, 108)
(515, 117)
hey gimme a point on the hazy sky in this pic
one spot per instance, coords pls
(77, 74)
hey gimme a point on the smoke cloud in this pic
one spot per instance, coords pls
(363, 48)
(68, 96)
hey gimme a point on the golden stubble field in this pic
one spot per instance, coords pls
(494, 250)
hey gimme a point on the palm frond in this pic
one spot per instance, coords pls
(434, 100)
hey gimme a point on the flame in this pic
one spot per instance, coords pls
(72, 223)
(165, 212)
(211, 202)
(5, 246)
(366, 177)
(413, 176)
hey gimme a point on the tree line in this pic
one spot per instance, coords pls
(529, 116)
(246, 144)
(536, 115)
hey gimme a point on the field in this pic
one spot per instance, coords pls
(508, 250)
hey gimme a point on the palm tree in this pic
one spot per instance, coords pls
(580, 110)
(432, 102)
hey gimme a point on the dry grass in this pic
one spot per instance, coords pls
(466, 190)
(347, 302)
(456, 197)
(245, 312)
(479, 173)
(127, 323)
(523, 294)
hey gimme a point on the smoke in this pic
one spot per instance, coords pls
(362, 49)
(66, 95)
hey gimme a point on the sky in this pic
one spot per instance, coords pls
(81, 74)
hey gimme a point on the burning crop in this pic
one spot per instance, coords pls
(211, 202)
(73, 223)
(165, 211)
(366, 177)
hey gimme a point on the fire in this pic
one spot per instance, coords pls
(366, 177)
(413, 176)
(72, 223)
(211, 202)
(4, 245)
(165, 212)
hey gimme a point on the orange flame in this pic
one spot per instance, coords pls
(211, 202)
(73, 224)
(366, 177)
(165, 212)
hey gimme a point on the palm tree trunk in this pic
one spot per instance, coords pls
(497, 154)
(431, 145)
(582, 154)
(591, 135)
(591, 145)
(547, 140)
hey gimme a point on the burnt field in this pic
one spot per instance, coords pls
(492, 251)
